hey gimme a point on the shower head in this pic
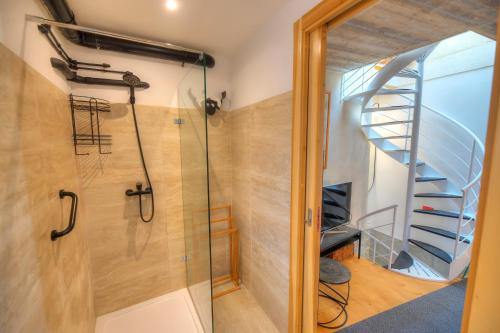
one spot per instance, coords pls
(131, 79)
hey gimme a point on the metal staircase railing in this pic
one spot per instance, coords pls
(360, 224)
(358, 80)
(470, 144)
(404, 124)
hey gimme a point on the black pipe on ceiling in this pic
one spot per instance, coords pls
(61, 12)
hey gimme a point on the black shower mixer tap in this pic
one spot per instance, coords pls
(139, 191)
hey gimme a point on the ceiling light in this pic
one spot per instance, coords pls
(171, 4)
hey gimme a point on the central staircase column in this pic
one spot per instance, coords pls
(412, 167)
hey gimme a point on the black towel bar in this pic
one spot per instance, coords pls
(72, 216)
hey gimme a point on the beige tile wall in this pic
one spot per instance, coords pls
(133, 261)
(261, 151)
(44, 285)
(249, 164)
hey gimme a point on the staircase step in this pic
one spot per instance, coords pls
(435, 251)
(443, 213)
(419, 163)
(388, 108)
(390, 137)
(335, 190)
(439, 195)
(421, 271)
(395, 91)
(331, 203)
(440, 232)
(429, 179)
(333, 216)
(408, 75)
(389, 123)
(396, 150)
(387, 146)
(403, 261)
(412, 74)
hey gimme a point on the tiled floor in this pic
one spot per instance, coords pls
(239, 312)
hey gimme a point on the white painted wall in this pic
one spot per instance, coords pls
(348, 150)
(465, 97)
(389, 188)
(165, 77)
(263, 67)
(24, 39)
(458, 77)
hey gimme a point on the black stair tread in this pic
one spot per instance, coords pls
(398, 91)
(396, 150)
(438, 195)
(336, 191)
(403, 261)
(419, 163)
(331, 203)
(435, 251)
(440, 232)
(408, 75)
(429, 179)
(443, 213)
(333, 216)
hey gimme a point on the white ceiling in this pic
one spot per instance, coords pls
(213, 26)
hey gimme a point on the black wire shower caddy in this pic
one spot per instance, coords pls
(87, 129)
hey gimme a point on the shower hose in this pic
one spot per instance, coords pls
(145, 172)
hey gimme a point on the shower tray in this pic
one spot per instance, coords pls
(173, 313)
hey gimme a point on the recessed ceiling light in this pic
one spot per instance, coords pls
(171, 4)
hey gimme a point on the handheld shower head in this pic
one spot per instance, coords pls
(131, 79)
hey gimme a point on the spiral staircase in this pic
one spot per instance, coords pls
(444, 162)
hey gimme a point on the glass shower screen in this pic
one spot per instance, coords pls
(193, 144)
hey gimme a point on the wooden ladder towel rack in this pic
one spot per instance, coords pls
(232, 232)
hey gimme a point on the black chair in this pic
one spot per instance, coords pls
(333, 272)
(335, 234)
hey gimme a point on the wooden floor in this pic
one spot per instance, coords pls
(239, 312)
(374, 290)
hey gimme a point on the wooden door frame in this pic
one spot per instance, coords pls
(307, 145)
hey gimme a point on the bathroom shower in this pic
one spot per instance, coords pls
(133, 81)
(69, 67)
(133, 264)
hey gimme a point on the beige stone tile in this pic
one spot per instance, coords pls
(260, 150)
(45, 285)
(131, 260)
(240, 312)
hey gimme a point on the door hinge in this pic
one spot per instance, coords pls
(178, 121)
(308, 219)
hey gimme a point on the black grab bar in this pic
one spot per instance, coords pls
(72, 216)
